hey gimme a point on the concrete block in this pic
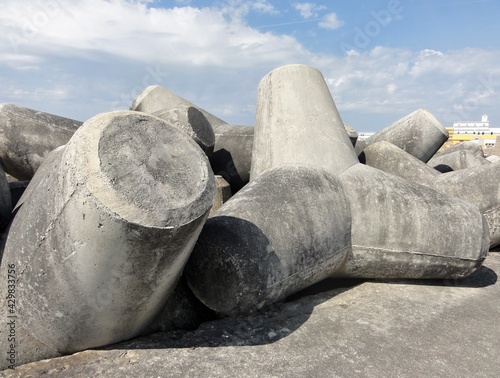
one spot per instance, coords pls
(232, 155)
(297, 122)
(419, 133)
(27, 136)
(353, 134)
(471, 146)
(404, 230)
(456, 160)
(287, 229)
(479, 186)
(102, 239)
(391, 159)
(222, 193)
(192, 121)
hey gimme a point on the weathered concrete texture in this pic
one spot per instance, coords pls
(222, 194)
(404, 230)
(419, 133)
(479, 186)
(391, 159)
(454, 161)
(232, 155)
(5, 200)
(353, 134)
(375, 329)
(471, 146)
(192, 121)
(27, 136)
(233, 152)
(156, 98)
(100, 242)
(298, 123)
(287, 229)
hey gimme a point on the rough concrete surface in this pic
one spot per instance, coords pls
(27, 136)
(419, 133)
(373, 329)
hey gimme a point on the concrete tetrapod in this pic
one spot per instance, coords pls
(404, 230)
(290, 226)
(99, 244)
(190, 120)
(156, 98)
(419, 133)
(479, 186)
(27, 136)
(232, 155)
(286, 230)
(297, 122)
(456, 160)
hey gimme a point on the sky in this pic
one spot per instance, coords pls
(381, 59)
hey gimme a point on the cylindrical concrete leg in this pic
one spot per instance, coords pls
(391, 159)
(456, 160)
(404, 230)
(419, 133)
(479, 186)
(287, 229)
(193, 122)
(27, 136)
(155, 98)
(100, 243)
(222, 194)
(232, 157)
(298, 123)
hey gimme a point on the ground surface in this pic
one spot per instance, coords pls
(367, 329)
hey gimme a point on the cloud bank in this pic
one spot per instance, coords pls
(82, 57)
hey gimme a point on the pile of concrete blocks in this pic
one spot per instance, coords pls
(163, 216)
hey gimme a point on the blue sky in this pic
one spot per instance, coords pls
(380, 59)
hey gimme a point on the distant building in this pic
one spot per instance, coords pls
(477, 131)
(363, 136)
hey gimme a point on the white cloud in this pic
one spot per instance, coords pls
(308, 10)
(331, 22)
(76, 62)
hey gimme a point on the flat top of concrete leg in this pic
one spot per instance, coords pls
(142, 168)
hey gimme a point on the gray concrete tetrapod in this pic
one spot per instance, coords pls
(27, 136)
(100, 242)
(456, 160)
(419, 133)
(287, 229)
(480, 186)
(232, 155)
(470, 146)
(192, 119)
(297, 122)
(404, 230)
